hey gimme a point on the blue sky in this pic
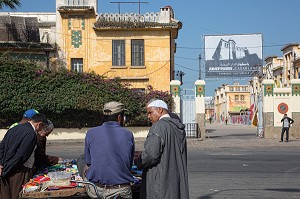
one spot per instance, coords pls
(277, 20)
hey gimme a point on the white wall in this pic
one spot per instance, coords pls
(64, 133)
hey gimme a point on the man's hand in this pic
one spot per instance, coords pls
(60, 160)
(138, 159)
(1, 169)
(137, 153)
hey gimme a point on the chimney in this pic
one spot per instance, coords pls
(166, 14)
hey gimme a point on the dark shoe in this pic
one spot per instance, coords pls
(280, 141)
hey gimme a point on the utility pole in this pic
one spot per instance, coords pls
(294, 65)
(199, 66)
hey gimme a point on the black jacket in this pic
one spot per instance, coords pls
(16, 147)
(291, 121)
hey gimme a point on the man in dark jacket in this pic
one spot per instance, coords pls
(286, 123)
(164, 159)
(17, 155)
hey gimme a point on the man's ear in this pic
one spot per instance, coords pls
(161, 110)
(121, 120)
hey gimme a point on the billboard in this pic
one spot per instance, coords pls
(232, 55)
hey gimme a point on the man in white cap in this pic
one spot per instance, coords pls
(164, 159)
(108, 153)
(171, 114)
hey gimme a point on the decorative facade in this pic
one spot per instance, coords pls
(138, 49)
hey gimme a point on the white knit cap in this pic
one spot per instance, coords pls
(158, 103)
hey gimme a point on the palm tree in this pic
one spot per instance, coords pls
(12, 4)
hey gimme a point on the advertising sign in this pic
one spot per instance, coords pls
(232, 55)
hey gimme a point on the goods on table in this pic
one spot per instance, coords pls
(52, 179)
(55, 181)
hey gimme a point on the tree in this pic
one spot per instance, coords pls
(12, 4)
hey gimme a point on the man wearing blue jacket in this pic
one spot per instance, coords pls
(108, 153)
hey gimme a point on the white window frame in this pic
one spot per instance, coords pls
(77, 64)
(118, 50)
(137, 52)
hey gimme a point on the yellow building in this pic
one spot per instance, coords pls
(139, 49)
(231, 101)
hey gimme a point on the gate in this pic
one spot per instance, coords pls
(188, 115)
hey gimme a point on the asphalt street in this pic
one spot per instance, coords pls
(230, 163)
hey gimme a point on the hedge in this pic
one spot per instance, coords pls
(69, 99)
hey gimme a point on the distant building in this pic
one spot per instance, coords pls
(209, 107)
(290, 53)
(232, 101)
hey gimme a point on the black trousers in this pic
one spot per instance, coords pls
(286, 130)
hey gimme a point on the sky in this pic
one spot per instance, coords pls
(276, 20)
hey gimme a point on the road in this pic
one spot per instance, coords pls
(231, 163)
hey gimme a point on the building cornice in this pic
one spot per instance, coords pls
(134, 78)
(289, 45)
(133, 21)
(76, 8)
(33, 46)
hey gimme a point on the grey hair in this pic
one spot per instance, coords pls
(49, 127)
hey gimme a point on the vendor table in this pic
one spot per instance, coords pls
(64, 193)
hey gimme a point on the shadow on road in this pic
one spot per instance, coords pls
(284, 190)
(209, 196)
(231, 135)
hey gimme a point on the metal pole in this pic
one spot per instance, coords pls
(199, 66)
(294, 67)
(139, 7)
(260, 115)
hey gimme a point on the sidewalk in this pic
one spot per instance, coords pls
(218, 136)
(235, 136)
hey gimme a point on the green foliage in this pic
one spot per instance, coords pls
(69, 99)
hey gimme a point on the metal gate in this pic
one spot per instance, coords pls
(188, 115)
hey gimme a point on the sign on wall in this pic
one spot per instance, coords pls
(283, 108)
(232, 55)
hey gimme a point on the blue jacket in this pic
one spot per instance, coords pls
(109, 150)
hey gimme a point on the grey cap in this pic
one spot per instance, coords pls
(111, 108)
